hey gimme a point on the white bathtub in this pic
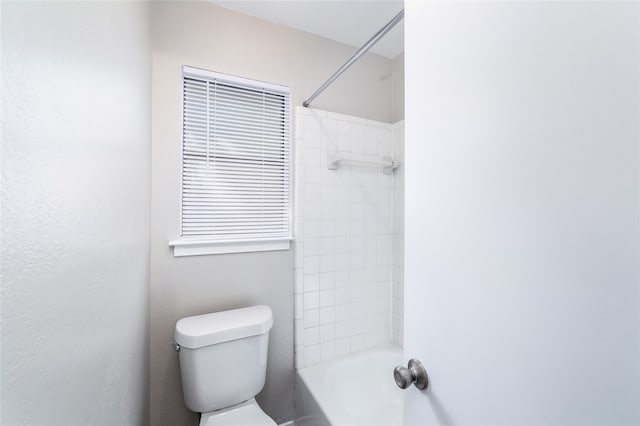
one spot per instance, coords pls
(355, 390)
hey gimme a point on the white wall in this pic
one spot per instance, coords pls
(344, 247)
(523, 206)
(397, 291)
(75, 212)
(397, 88)
(204, 35)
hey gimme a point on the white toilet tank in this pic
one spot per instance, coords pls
(223, 356)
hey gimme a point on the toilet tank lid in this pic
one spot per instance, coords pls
(218, 327)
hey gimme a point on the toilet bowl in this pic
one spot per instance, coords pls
(243, 414)
(223, 364)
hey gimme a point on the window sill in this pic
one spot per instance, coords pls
(186, 247)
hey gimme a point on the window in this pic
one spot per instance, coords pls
(236, 165)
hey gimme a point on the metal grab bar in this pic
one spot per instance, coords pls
(388, 165)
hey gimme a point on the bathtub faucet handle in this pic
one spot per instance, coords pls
(415, 374)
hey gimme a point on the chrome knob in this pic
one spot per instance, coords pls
(415, 374)
(402, 376)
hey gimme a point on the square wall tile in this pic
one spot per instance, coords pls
(327, 315)
(311, 300)
(311, 174)
(327, 280)
(311, 355)
(311, 265)
(311, 228)
(342, 313)
(327, 228)
(327, 351)
(327, 298)
(311, 318)
(311, 336)
(327, 245)
(311, 247)
(328, 263)
(311, 282)
(312, 192)
(312, 210)
(327, 332)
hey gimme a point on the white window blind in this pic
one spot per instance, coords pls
(236, 158)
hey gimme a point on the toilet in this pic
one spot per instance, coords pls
(223, 363)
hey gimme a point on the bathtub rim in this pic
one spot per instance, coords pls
(332, 411)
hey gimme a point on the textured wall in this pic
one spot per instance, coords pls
(75, 212)
(204, 35)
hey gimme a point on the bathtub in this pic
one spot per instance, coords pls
(355, 390)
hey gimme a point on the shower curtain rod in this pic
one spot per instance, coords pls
(368, 45)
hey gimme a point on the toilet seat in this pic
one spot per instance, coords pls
(247, 413)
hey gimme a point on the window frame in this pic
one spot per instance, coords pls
(201, 245)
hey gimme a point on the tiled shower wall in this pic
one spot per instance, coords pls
(344, 229)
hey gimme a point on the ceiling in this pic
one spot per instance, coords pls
(351, 22)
